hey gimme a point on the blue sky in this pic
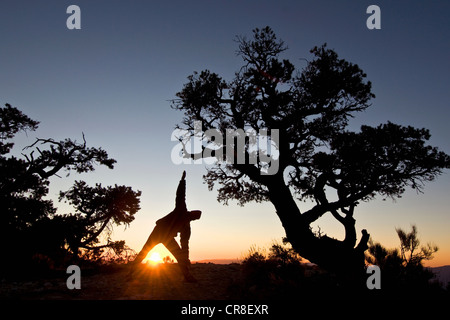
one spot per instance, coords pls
(113, 80)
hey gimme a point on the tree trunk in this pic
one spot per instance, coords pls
(339, 257)
(297, 229)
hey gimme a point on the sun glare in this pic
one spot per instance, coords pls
(158, 255)
(154, 259)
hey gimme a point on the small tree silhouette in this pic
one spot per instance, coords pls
(167, 259)
(97, 209)
(403, 269)
(409, 246)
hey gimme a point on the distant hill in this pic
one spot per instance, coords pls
(218, 261)
(442, 275)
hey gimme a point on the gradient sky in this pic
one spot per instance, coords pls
(113, 80)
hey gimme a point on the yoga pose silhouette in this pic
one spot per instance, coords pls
(167, 228)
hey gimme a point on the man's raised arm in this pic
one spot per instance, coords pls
(180, 200)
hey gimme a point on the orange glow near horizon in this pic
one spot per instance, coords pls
(156, 255)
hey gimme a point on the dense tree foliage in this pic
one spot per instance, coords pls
(319, 158)
(30, 227)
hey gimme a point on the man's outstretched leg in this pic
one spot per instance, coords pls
(182, 260)
(152, 241)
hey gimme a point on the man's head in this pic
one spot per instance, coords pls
(194, 214)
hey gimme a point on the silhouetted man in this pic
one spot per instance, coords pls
(167, 228)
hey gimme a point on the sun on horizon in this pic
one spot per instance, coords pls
(153, 259)
(156, 255)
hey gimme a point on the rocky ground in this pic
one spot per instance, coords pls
(163, 282)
